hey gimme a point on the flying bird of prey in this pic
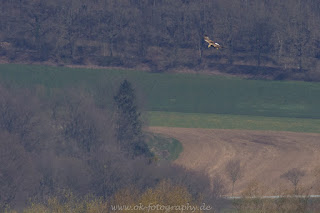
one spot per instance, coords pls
(211, 43)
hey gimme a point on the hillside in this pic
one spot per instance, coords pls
(264, 155)
(191, 93)
(265, 39)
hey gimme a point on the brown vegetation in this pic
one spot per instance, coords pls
(65, 142)
(160, 198)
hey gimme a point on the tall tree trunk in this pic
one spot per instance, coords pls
(111, 47)
(232, 188)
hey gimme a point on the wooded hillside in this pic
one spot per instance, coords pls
(264, 38)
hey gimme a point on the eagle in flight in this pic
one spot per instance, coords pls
(211, 43)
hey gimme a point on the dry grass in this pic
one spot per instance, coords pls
(264, 155)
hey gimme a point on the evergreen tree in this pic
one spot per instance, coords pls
(129, 126)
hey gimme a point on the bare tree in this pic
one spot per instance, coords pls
(233, 170)
(18, 175)
(294, 176)
(218, 186)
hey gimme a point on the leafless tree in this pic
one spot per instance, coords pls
(218, 186)
(18, 176)
(233, 170)
(294, 176)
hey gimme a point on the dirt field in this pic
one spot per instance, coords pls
(264, 155)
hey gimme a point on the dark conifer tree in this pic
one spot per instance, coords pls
(129, 126)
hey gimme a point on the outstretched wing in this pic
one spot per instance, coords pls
(207, 39)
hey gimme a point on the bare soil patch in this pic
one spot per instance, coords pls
(264, 155)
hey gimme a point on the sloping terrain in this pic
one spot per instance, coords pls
(264, 155)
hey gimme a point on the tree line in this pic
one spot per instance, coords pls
(272, 38)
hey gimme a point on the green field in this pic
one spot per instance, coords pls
(220, 121)
(191, 100)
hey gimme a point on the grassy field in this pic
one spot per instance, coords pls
(223, 121)
(191, 100)
(164, 148)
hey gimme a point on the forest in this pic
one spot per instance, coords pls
(66, 149)
(264, 39)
